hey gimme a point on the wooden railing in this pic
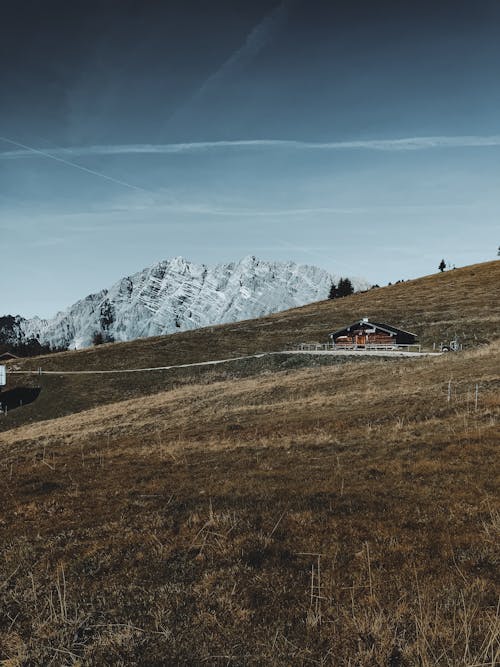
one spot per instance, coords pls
(311, 347)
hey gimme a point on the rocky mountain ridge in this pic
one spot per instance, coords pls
(176, 295)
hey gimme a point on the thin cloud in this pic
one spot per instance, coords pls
(392, 145)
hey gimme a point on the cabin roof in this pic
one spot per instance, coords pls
(8, 355)
(384, 327)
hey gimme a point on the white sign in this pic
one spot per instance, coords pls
(3, 376)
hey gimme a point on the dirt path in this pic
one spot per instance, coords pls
(337, 353)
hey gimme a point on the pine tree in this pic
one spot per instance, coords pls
(98, 338)
(333, 292)
(345, 287)
(442, 265)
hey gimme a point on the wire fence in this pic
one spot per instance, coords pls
(309, 348)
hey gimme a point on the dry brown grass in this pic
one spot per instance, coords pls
(351, 388)
(343, 515)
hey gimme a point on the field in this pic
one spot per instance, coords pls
(293, 514)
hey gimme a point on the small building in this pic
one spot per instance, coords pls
(8, 356)
(368, 333)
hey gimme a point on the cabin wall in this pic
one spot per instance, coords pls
(362, 338)
(380, 339)
(364, 334)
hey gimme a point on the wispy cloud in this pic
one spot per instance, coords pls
(49, 241)
(401, 144)
(222, 211)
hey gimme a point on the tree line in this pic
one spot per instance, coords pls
(344, 287)
(29, 348)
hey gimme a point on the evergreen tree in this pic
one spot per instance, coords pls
(101, 337)
(98, 338)
(442, 265)
(344, 287)
(333, 291)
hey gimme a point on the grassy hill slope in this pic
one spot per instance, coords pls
(324, 516)
(463, 302)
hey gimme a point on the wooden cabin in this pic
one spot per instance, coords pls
(7, 356)
(366, 332)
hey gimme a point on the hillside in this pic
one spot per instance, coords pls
(344, 516)
(464, 302)
(283, 510)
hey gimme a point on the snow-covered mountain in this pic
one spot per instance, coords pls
(177, 295)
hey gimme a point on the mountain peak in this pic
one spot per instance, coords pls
(177, 295)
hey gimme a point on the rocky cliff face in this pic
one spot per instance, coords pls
(176, 295)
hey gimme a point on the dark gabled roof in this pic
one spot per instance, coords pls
(393, 329)
(378, 325)
(8, 355)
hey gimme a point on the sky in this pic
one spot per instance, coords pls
(362, 137)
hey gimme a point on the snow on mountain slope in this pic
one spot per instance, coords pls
(176, 295)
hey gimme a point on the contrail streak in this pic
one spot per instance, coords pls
(51, 156)
(254, 42)
(393, 145)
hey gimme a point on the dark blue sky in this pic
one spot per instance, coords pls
(101, 85)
